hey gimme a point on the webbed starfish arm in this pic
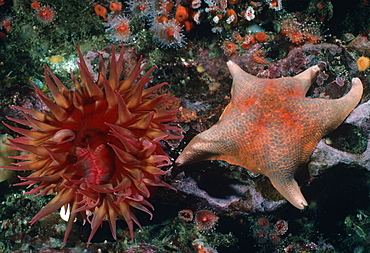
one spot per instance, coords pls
(307, 77)
(284, 182)
(351, 99)
(204, 146)
(337, 109)
(242, 81)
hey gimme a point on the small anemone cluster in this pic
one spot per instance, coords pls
(170, 20)
(98, 147)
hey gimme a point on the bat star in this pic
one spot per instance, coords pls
(271, 128)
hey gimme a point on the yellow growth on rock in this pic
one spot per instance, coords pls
(5, 152)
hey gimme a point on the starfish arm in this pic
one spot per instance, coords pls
(336, 110)
(352, 98)
(307, 77)
(288, 187)
(242, 82)
(208, 145)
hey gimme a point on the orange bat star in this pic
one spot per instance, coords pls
(271, 128)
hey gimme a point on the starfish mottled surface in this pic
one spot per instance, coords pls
(271, 128)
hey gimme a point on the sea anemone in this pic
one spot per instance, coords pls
(168, 34)
(185, 215)
(281, 227)
(119, 28)
(262, 223)
(115, 6)
(261, 236)
(143, 8)
(276, 5)
(205, 220)
(98, 147)
(275, 238)
(165, 7)
(229, 47)
(248, 14)
(182, 13)
(248, 40)
(261, 37)
(232, 18)
(45, 14)
(35, 5)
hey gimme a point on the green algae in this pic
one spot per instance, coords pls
(348, 138)
(175, 235)
(30, 42)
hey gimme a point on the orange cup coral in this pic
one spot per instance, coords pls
(115, 6)
(363, 63)
(100, 11)
(261, 37)
(182, 13)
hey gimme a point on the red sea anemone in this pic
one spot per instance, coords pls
(45, 14)
(98, 147)
(185, 215)
(262, 223)
(229, 47)
(205, 219)
(281, 227)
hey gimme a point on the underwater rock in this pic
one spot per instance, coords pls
(231, 191)
(361, 44)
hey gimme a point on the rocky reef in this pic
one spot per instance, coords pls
(218, 207)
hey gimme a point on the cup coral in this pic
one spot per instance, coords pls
(363, 63)
(98, 147)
